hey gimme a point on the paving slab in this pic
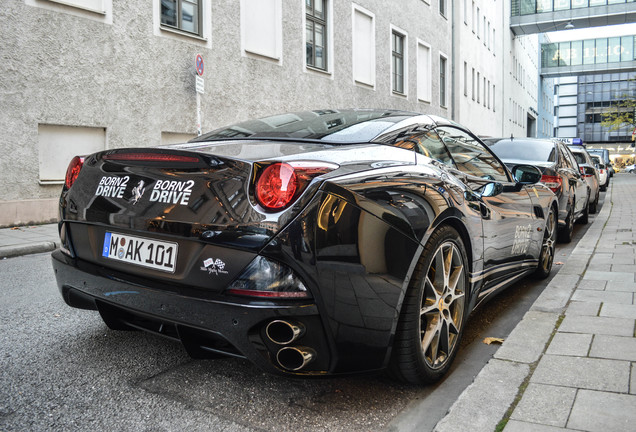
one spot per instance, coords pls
(545, 404)
(618, 310)
(592, 285)
(615, 286)
(603, 296)
(597, 325)
(603, 412)
(519, 426)
(614, 347)
(609, 276)
(632, 384)
(583, 308)
(473, 411)
(528, 339)
(570, 344)
(583, 373)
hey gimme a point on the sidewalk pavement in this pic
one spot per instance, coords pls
(570, 364)
(28, 239)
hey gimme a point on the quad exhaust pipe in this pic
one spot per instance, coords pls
(283, 332)
(295, 358)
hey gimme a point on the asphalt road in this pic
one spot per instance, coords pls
(63, 369)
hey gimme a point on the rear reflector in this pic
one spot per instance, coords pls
(150, 157)
(73, 171)
(553, 182)
(267, 278)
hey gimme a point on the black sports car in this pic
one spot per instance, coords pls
(310, 243)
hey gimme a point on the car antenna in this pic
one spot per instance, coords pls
(511, 137)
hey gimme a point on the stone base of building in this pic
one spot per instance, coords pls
(28, 212)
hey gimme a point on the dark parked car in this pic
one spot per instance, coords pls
(560, 173)
(589, 172)
(310, 243)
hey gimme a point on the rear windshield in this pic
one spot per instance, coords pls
(580, 159)
(525, 150)
(332, 126)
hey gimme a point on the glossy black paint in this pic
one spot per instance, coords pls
(354, 237)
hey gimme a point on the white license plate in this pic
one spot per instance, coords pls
(141, 251)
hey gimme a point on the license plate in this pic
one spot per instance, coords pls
(154, 254)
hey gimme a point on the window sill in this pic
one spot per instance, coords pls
(398, 94)
(178, 32)
(317, 70)
(51, 182)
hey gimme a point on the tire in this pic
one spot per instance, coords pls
(546, 257)
(434, 311)
(594, 205)
(585, 217)
(565, 233)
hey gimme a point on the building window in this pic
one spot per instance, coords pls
(397, 66)
(442, 81)
(184, 15)
(473, 88)
(465, 79)
(424, 72)
(466, 12)
(363, 46)
(493, 98)
(478, 79)
(261, 27)
(442, 7)
(316, 33)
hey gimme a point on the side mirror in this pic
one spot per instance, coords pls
(526, 174)
(492, 189)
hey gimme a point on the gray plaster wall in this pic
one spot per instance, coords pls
(61, 66)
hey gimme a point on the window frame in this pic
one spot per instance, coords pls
(443, 80)
(325, 22)
(397, 32)
(425, 92)
(178, 28)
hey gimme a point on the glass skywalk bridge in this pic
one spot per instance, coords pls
(603, 55)
(539, 16)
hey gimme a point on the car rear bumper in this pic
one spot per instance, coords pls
(206, 326)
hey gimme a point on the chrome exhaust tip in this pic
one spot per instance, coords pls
(295, 358)
(284, 332)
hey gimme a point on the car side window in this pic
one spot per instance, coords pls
(572, 159)
(564, 156)
(470, 155)
(425, 141)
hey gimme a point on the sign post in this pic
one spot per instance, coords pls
(199, 87)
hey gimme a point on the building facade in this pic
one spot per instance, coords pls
(79, 76)
(580, 102)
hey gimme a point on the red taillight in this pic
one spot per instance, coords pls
(276, 186)
(150, 157)
(601, 171)
(73, 171)
(280, 183)
(553, 182)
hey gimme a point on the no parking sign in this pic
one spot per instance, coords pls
(198, 64)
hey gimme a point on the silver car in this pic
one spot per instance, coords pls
(589, 174)
(603, 171)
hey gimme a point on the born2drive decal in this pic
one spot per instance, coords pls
(163, 191)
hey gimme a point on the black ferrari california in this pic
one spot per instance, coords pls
(310, 243)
